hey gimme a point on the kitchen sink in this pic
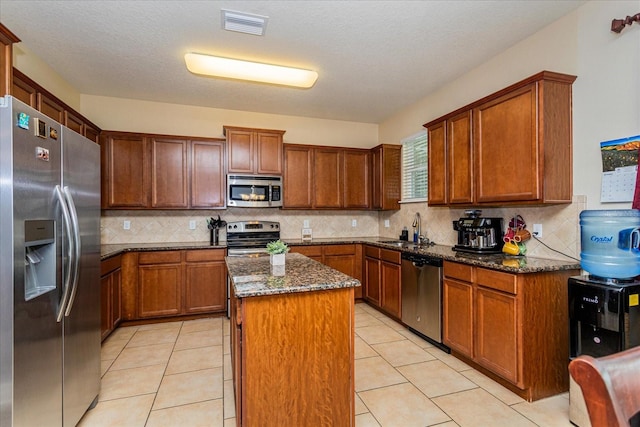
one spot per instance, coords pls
(399, 243)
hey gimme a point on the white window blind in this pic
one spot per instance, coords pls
(414, 167)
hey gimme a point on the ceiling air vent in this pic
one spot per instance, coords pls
(244, 22)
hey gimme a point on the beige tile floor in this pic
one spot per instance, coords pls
(179, 374)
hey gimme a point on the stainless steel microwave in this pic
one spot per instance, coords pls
(254, 191)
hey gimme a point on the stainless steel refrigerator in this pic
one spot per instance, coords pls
(49, 270)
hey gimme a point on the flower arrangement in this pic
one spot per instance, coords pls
(277, 247)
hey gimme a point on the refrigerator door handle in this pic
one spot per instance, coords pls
(66, 285)
(77, 248)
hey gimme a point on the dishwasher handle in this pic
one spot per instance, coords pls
(422, 260)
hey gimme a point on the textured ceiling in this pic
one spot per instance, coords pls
(373, 57)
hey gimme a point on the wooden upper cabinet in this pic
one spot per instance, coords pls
(386, 165)
(50, 106)
(460, 159)
(513, 147)
(356, 174)
(207, 174)
(169, 173)
(24, 89)
(125, 178)
(327, 173)
(298, 176)
(145, 171)
(437, 164)
(254, 151)
(91, 132)
(7, 39)
(74, 122)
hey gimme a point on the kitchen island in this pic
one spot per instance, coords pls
(292, 342)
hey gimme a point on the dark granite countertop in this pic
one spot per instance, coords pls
(252, 277)
(501, 262)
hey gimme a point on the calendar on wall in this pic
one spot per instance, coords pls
(619, 169)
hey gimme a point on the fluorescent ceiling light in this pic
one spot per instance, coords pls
(244, 70)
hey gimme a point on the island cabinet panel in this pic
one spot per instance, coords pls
(169, 173)
(110, 294)
(254, 151)
(513, 327)
(298, 178)
(306, 376)
(159, 284)
(513, 147)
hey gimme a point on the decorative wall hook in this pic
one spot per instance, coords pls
(618, 25)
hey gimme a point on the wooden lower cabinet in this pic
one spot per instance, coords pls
(345, 258)
(513, 327)
(383, 279)
(306, 376)
(160, 284)
(110, 295)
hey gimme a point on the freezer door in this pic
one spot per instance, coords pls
(30, 267)
(81, 185)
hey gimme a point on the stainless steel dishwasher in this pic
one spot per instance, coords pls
(422, 296)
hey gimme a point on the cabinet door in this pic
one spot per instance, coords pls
(298, 176)
(241, 150)
(91, 133)
(24, 89)
(506, 147)
(159, 290)
(124, 171)
(312, 251)
(386, 164)
(74, 122)
(169, 173)
(116, 298)
(390, 275)
(105, 306)
(327, 172)
(437, 164)
(357, 179)
(459, 154)
(205, 287)
(51, 107)
(372, 291)
(496, 346)
(207, 174)
(457, 316)
(269, 153)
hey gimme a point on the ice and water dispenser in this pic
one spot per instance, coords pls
(40, 258)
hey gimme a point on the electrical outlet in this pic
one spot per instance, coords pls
(354, 222)
(305, 223)
(537, 230)
(386, 223)
(126, 225)
(192, 224)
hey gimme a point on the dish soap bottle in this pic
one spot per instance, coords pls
(405, 234)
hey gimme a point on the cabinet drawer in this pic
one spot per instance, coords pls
(458, 271)
(159, 257)
(390, 256)
(372, 252)
(340, 250)
(110, 264)
(204, 255)
(310, 251)
(498, 280)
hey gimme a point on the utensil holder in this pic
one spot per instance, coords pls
(213, 238)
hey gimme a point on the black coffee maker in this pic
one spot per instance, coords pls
(478, 235)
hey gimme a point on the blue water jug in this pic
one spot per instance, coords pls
(610, 241)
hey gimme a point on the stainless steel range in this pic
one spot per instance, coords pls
(250, 238)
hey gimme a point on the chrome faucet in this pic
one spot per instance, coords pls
(417, 225)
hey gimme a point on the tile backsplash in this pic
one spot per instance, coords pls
(561, 229)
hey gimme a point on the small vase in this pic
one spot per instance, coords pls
(277, 259)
